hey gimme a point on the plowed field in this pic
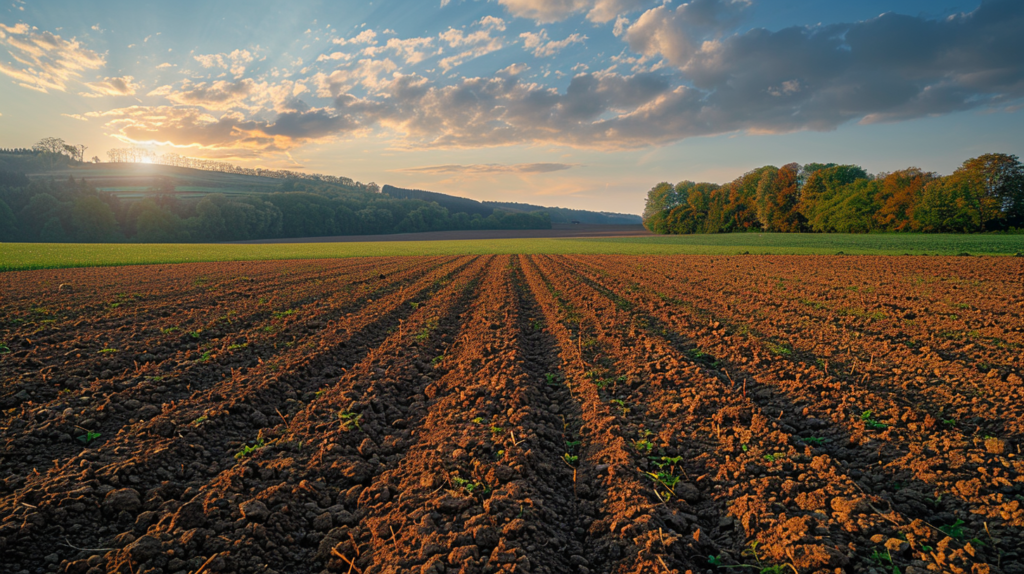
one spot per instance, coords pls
(506, 413)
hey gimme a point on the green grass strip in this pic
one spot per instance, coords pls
(21, 256)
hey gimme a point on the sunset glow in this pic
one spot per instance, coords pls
(463, 96)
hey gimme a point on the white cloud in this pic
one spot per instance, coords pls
(543, 47)
(75, 117)
(123, 86)
(412, 50)
(364, 37)
(44, 61)
(554, 10)
(235, 62)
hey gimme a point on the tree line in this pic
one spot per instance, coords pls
(136, 154)
(58, 211)
(986, 193)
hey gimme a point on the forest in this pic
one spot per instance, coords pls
(59, 211)
(985, 194)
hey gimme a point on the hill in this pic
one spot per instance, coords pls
(485, 208)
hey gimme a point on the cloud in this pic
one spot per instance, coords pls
(543, 47)
(889, 68)
(364, 37)
(412, 50)
(478, 43)
(166, 65)
(368, 73)
(553, 10)
(76, 117)
(219, 95)
(44, 61)
(123, 86)
(229, 135)
(489, 168)
(235, 62)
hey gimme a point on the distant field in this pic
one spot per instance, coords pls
(17, 256)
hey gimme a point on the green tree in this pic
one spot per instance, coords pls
(820, 187)
(8, 223)
(661, 199)
(996, 189)
(93, 221)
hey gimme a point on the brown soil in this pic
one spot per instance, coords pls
(515, 414)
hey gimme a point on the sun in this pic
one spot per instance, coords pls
(147, 160)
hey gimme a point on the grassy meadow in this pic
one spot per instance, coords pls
(21, 256)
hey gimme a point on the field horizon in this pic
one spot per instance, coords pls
(24, 256)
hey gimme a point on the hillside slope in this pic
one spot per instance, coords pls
(484, 208)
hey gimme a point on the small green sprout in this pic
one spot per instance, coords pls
(237, 346)
(570, 459)
(195, 334)
(282, 314)
(415, 305)
(643, 446)
(955, 530)
(4, 349)
(247, 450)
(107, 351)
(169, 330)
(816, 441)
(870, 422)
(206, 357)
(478, 420)
(350, 420)
(202, 419)
(552, 379)
(88, 437)
(497, 430)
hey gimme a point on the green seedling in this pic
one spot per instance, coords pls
(870, 422)
(114, 305)
(195, 334)
(497, 430)
(775, 456)
(571, 444)
(237, 346)
(437, 360)
(64, 391)
(169, 330)
(4, 349)
(499, 455)
(470, 486)
(780, 350)
(247, 450)
(107, 351)
(570, 459)
(478, 420)
(199, 421)
(662, 462)
(414, 305)
(155, 379)
(643, 446)
(668, 482)
(744, 447)
(88, 437)
(955, 530)
(282, 314)
(949, 422)
(622, 406)
(536, 324)
(269, 329)
(552, 379)
(815, 440)
(350, 420)
(205, 357)
(319, 393)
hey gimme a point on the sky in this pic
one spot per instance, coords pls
(574, 103)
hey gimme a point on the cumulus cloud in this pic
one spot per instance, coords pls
(412, 50)
(235, 62)
(230, 135)
(543, 47)
(364, 37)
(219, 95)
(44, 61)
(475, 44)
(489, 168)
(123, 86)
(554, 10)
(76, 117)
(888, 68)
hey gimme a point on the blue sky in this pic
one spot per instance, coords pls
(577, 103)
